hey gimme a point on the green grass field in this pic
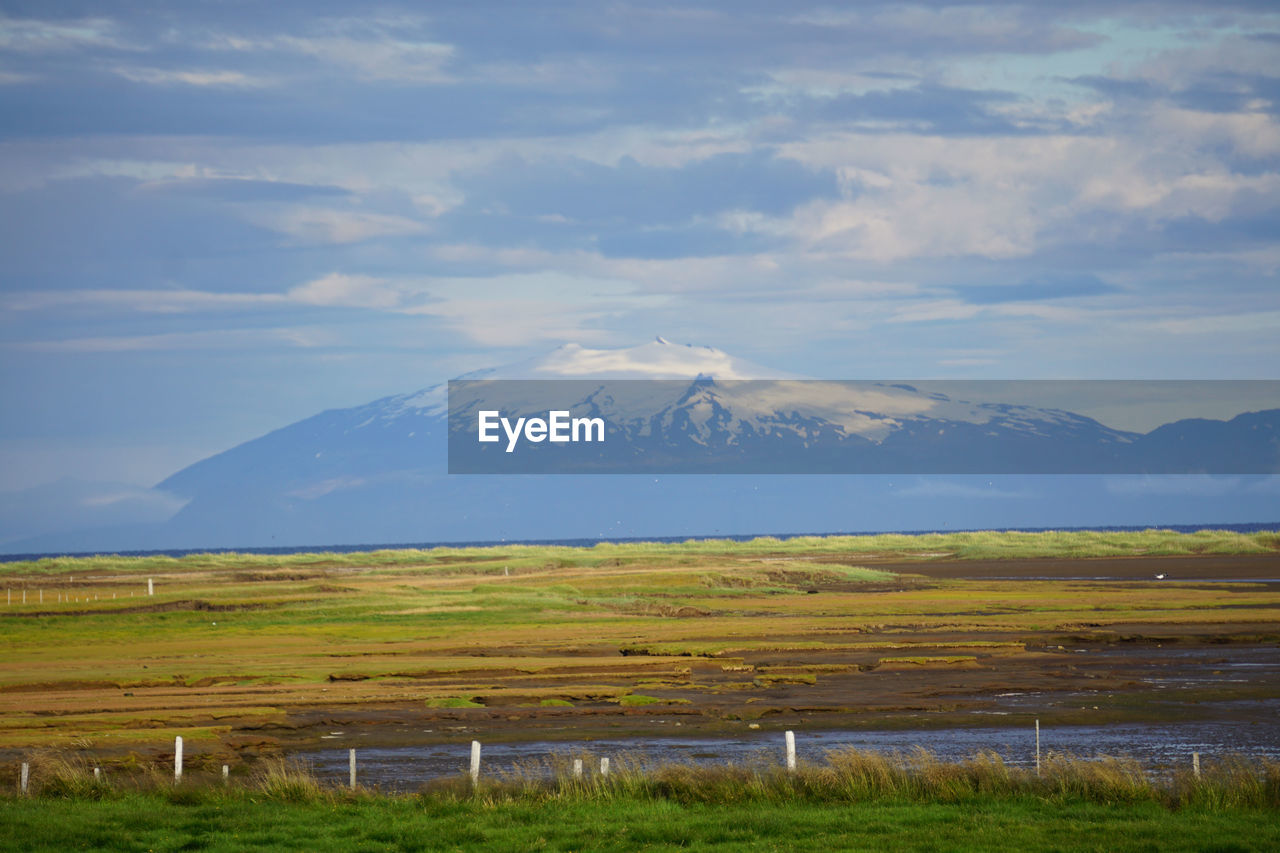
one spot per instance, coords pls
(150, 823)
(853, 801)
(241, 653)
(236, 646)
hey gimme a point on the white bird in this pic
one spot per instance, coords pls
(1160, 576)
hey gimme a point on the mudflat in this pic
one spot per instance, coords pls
(243, 654)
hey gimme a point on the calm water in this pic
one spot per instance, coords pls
(405, 768)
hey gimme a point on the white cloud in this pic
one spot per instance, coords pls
(144, 301)
(1252, 133)
(378, 49)
(518, 322)
(30, 35)
(1184, 67)
(350, 291)
(331, 226)
(934, 310)
(1220, 324)
(332, 290)
(378, 59)
(203, 78)
(217, 339)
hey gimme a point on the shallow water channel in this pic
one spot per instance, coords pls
(406, 768)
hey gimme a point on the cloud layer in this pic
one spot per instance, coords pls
(301, 209)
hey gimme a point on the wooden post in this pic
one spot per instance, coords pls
(177, 758)
(1037, 747)
(26, 776)
(151, 590)
(24, 595)
(475, 763)
(577, 768)
(226, 774)
(8, 596)
(351, 769)
(604, 766)
(42, 596)
(791, 751)
(1195, 764)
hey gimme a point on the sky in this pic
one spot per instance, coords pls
(219, 218)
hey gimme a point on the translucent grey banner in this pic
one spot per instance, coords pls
(706, 426)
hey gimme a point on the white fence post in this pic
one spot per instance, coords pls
(475, 763)
(351, 769)
(577, 768)
(226, 774)
(151, 590)
(97, 773)
(1195, 764)
(177, 758)
(604, 766)
(1037, 747)
(26, 776)
(791, 750)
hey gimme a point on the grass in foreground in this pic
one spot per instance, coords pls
(151, 823)
(855, 801)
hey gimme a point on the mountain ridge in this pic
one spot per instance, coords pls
(376, 473)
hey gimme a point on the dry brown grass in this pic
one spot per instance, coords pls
(844, 775)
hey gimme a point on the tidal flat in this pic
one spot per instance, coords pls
(252, 655)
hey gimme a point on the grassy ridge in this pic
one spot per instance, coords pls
(979, 545)
(855, 800)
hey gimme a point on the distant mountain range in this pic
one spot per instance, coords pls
(377, 473)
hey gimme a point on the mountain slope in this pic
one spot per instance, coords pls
(376, 473)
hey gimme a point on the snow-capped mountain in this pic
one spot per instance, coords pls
(780, 426)
(376, 473)
(657, 359)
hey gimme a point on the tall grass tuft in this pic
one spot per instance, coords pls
(1229, 782)
(66, 775)
(291, 781)
(1103, 779)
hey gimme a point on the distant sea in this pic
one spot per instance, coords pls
(587, 543)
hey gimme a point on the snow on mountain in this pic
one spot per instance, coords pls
(657, 359)
(377, 472)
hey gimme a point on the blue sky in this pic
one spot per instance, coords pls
(220, 218)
